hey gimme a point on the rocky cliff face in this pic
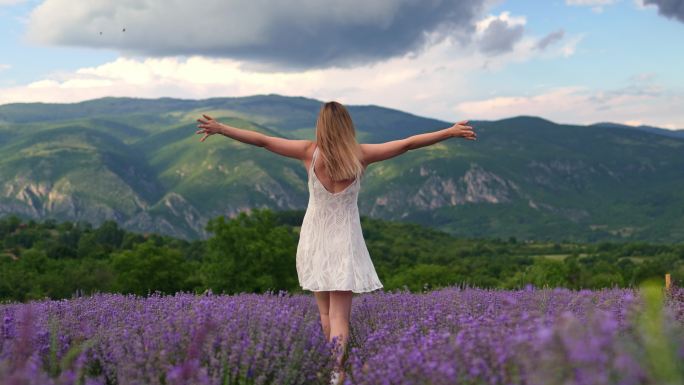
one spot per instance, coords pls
(173, 215)
(42, 200)
(476, 185)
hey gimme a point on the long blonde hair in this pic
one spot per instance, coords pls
(336, 139)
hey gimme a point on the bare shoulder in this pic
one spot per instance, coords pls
(310, 149)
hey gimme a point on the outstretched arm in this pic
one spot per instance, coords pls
(376, 152)
(292, 148)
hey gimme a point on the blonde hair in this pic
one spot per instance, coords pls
(336, 140)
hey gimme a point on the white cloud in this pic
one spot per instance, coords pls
(590, 3)
(642, 5)
(483, 24)
(422, 83)
(10, 2)
(428, 84)
(596, 5)
(645, 103)
(569, 48)
(431, 84)
(4, 67)
(434, 84)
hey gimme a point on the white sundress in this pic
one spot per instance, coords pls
(332, 254)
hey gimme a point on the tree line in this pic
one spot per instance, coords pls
(255, 252)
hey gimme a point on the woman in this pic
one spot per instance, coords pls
(332, 258)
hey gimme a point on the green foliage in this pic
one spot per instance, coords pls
(256, 252)
(543, 272)
(658, 336)
(250, 253)
(148, 267)
(426, 277)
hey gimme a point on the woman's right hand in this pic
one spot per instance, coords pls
(462, 130)
(208, 126)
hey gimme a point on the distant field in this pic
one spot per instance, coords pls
(560, 257)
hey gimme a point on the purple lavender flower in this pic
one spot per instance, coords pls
(453, 335)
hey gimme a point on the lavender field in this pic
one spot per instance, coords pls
(455, 335)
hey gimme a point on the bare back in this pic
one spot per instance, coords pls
(322, 174)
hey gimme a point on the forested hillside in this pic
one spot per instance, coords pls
(139, 163)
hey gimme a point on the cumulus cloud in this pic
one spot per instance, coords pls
(434, 84)
(669, 8)
(498, 34)
(500, 37)
(550, 39)
(429, 84)
(293, 34)
(422, 84)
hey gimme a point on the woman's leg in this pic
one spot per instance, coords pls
(340, 313)
(323, 301)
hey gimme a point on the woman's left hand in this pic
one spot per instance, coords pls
(208, 126)
(462, 130)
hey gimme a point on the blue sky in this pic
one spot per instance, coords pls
(604, 60)
(618, 43)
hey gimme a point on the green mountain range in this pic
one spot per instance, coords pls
(140, 163)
